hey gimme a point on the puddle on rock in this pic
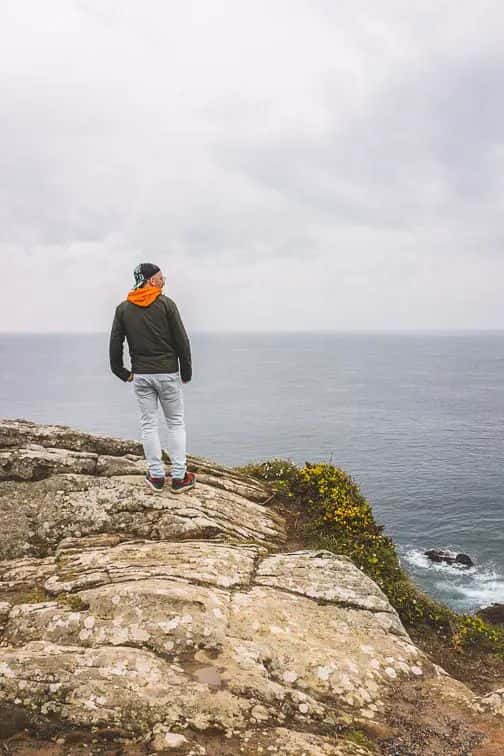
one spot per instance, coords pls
(206, 674)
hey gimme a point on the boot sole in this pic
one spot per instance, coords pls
(152, 488)
(185, 488)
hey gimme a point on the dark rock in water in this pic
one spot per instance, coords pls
(438, 555)
(464, 559)
(493, 614)
(450, 557)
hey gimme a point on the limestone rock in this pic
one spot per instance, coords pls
(36, 516)
(34, 462)
(19, 433)
(168, 741)
(322, 576)
(24, 434)
(493, 702)
(5, 608)
(173, 618)
(295, 743)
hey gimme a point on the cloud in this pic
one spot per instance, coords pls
(337, 155)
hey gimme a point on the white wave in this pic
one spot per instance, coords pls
(486, 588)
(416, 558)
(464, 588)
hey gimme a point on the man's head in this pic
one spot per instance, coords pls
(147, 273)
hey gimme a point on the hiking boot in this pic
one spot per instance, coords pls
(155, 484)
(182, 484)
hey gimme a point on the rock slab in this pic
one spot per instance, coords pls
(172, 618)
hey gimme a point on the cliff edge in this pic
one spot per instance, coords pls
(182, 623)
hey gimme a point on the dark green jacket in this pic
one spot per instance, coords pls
(156, 337)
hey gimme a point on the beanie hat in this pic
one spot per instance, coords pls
(143, 272)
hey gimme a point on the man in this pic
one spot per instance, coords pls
(157, 343)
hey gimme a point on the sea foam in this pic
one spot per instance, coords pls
(466, 589)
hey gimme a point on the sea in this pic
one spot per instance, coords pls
(416, 418)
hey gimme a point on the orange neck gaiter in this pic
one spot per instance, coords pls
(145, 296)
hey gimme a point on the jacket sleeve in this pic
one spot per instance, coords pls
(117, 336)
(182, 345)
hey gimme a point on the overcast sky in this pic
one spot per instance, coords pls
(289, 164)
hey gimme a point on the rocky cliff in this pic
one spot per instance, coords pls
(145, 622)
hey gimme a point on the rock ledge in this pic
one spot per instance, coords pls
(174, 620)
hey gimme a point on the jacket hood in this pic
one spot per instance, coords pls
(145, 296)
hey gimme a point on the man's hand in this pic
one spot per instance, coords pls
(131, 376)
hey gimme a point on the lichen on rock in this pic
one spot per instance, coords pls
(175, 618)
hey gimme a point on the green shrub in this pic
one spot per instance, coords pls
(281, 474)
(473, 632)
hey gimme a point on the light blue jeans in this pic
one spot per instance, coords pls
(165, 389)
